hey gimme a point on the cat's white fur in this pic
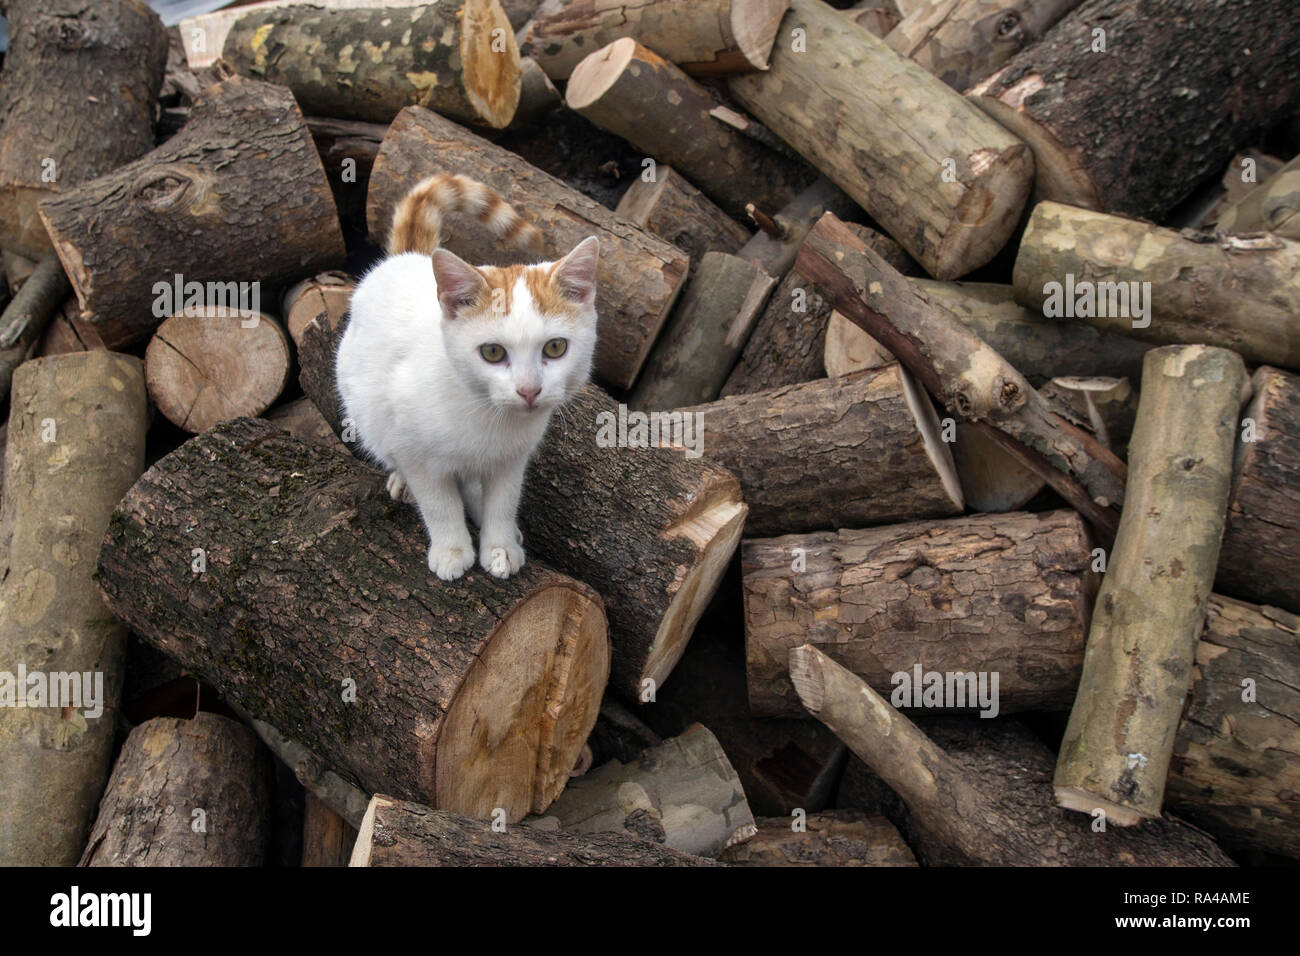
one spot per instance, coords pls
(452, 428)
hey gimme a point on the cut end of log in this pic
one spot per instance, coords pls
(806, 675)
(991, 480)
(366, 832)
(1076, 798)
(492, 78)
(940, 455)
(988, 212)
(754, 26)
(592, 78)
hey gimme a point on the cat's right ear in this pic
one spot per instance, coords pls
(459, 283)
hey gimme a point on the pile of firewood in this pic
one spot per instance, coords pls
(839, 561)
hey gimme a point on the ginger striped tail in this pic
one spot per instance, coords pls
(417, 221)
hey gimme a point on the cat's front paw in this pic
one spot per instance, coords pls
(397, 488)
(502, 559)
(451, 561)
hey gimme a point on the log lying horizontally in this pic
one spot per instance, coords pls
(640, 274)
(671, 208)
(833, 838)
(329, 292)
(185, 793)
(942, 179)
(400, 833)
(994, 594)
(246, 548)
(1273, 206)
(1151, 606)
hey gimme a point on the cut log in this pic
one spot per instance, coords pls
(682, 793)
(1007, 595)
(327, 839)
(399, 833)
(329, 292)
(75, 443)
(776, 251)
(703, 37)
(674, 210)
(707, 331)
(833, 838)
(76, 100)
(640, 274)
(962, 41)
(28, 314)
(962, 372)
(185, 793)
(257, 210)
(991, 806)
(538, 97)
(939, 177)
(459, 59)
(476, 695)
(991, 479)
(209, 367)
(871, 439)
(1273, 206)
(1151, 606)
(635, 94)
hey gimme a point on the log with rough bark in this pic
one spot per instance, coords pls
(185, 793)
(475, 695)
(258, 209)
(207, 367)
(401, 833)
(327, 839)
(937, 175)
(76, 101)
(639, 96)
(962, 372)
(457, 58)
(682, 793)
(991, 805)
(1151, 606)
(1273, 206)
(640, 274)
(25, 319)
(832, 453)
(1070, 97)
(832, 838)
(703, 37)
(671, 208)
(330, 293)
(995, 594)
(963, 41)
(75, 443)
(705, 335)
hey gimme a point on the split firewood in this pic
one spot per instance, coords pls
(215, 365)
(329, 292)
(25, 319)
(1151, 606)
(1122, 275)
(871, 440)
(705, 335)
(990, 806)
(400, 833)
(459, 59)
(303, 420)
(1106, 405)
(1068, 97)
(963, 41)
(831, 838)
(940, 178)
(75, 443)
(76, 100)
(188, 217)
(185, 793)
(538, 97)
(702, 37)
(683, 793)
(1273, 206)
(258, 549)
(327, 839)
(674, 210)
(962, 372)
(636, 94)
(1006, 594)
(640, 274)
(67, 333)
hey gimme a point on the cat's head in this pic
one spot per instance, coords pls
(521, 337)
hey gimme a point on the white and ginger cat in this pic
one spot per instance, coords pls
(450, 372)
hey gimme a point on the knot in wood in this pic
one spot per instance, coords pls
(162, 188)
(1008, 394)
(1009, 25)
(68, 33)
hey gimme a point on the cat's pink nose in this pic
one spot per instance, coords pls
(529, 395)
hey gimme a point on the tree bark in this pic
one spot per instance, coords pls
(641, 274)
(76, 101)
(1236, 292)
(459, 59)
(995, 594)
(1151, 607)
(674, 210)
(833, 838)
(942, 180)
(76, 441)
(258, 209)
(476, 695)
(1273, 206)
(328, 292)
(185, 793)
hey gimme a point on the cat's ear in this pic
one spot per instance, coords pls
(575, 274)
(459, 283)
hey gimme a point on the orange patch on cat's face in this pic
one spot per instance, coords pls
(547, 295)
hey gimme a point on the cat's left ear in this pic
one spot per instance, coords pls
(575, 274)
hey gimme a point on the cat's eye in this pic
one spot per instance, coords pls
(492, 353)
(555, 348)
